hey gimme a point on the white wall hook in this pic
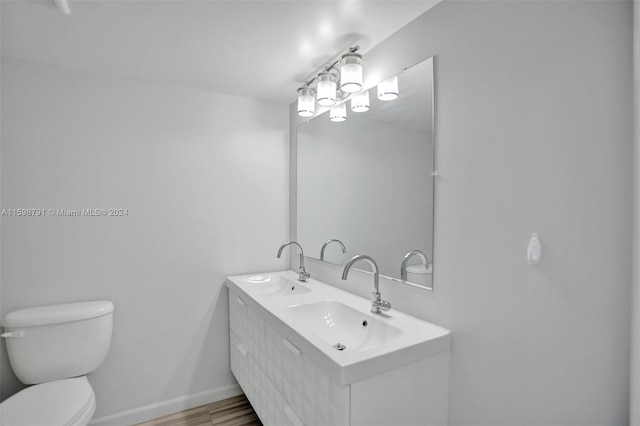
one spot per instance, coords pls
(534, 250)
(63, 6)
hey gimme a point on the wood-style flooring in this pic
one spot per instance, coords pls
(234, 411)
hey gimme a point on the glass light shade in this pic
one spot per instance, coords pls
(306, 102)
(388, 89)
(327, 86)
(338, 113)
(360, 102)
(351, 73)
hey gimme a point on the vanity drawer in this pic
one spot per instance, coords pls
(247, 325)
(270, 406)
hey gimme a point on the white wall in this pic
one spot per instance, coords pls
(204, 178)
(533, 134)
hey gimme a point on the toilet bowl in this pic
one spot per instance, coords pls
(53, 348)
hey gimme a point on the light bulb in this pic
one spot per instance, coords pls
(360, 102)
(388, 89)
(327, 89)
(306, 102)
(338, 113)
(351, 73)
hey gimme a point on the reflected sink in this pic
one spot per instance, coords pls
(276, 286)
(342, 327)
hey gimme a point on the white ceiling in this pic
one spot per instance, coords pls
(261, 49)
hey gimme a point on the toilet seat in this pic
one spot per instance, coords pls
(60, 402)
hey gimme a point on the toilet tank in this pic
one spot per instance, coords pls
(59, 341)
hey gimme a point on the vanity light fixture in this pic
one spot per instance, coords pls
(338, 113)
(327, 88)
(333, 83)
(388, 89)
(306, 101)
(351, 72)
(360, 102)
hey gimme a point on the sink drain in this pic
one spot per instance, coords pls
(339, 346)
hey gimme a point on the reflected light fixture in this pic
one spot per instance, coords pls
(351, 72)
(360, 102)
(388, 89)
(306, 101)
(338, 113)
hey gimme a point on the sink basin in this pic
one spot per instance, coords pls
(342, 327)
(277, 286)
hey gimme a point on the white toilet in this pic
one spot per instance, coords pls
(53, 348)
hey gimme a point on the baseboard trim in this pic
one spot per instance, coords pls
(159, 409)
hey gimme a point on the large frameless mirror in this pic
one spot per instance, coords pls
(367, 181)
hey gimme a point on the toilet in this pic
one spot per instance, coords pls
(53, 348)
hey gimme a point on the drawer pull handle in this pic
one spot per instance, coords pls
(10, 334)
(240, 301)
(292, 416)
(291, 347)
(242, 350)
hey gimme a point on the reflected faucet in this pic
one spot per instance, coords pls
(403, 268)
(326, 243)
(378, 305)
(303, 275)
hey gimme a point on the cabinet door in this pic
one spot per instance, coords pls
(311, 392)
(264, 361)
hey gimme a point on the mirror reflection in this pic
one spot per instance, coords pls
(366, 181)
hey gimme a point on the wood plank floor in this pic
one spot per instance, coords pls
(234, 411)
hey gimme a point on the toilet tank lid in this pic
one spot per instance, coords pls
(56, 314)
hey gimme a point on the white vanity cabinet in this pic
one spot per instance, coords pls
(287, 386)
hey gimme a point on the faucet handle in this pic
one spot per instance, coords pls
(303, 275)
(378, 304)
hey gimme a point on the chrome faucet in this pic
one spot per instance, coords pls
(378, 305)
(326, 243)
(303, 275)
(403, 268)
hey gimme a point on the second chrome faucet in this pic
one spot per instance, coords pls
(377, 305)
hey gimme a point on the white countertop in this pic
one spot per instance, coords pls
(399, 338)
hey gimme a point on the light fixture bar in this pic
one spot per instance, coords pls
(329, 87)
(331, 66)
